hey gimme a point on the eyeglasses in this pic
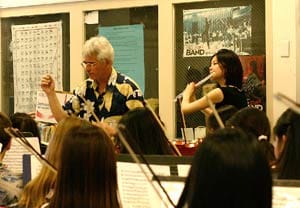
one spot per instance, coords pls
(88, 64)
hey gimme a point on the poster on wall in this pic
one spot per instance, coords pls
(36, 50)
(207, 30)
(128, 44)
(43, 111)
(254, 80)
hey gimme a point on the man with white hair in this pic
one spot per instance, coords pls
(104, 94)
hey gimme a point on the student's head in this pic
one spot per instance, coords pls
(25, 123)
(144, 133)
(287, 148)
(99, 47)
(253, 65)
(56, 141)
(230, 65)
(4, 137)
(35, 192)
(251, 120)
(225, 112)
(86, 174)
(256, 122)
(228, 170)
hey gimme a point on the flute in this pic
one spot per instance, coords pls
(198, 84)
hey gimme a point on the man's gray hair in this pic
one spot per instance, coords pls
(100, 47)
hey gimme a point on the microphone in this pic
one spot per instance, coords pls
(197, 85)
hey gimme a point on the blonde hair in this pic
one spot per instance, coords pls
(35, 192)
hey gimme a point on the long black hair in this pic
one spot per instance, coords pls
(144, 134)
(232, 66)
(229, 171)
(288, 162)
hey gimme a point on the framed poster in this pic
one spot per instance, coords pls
(254, 80)
(207, 30)
(36, 51)
(203, 28)
(33, 46)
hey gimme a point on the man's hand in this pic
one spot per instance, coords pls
(48, 84)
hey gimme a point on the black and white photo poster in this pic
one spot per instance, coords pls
(207, 30)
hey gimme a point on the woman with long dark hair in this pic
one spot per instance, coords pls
(287, 148)
(227, 71)
(228, 170)
(86, 174)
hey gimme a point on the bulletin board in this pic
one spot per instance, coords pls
(204, 27)
(33, 46)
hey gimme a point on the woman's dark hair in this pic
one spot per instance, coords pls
(87, 171)
(288, 163)
(25, 123)
(143, 133)
(4, 123)
(225, 112)
(256, 122)
(231, 64)
(229, 171)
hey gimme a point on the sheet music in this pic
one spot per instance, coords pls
(36, 50)
(174, 190)
(135, 190)
(286, 197)
(183, 169)
(31, 168)
(36, 166)
(14, 156)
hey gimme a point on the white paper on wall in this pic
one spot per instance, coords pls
(37, 50)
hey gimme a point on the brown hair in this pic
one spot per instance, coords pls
(87, 170)
(35, 192)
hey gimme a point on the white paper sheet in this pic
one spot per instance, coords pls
(135, 190)
(286, 197)
(37, 50)
(14, 157)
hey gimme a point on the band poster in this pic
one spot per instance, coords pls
(36, 51)
(207, 30)
(254, 80)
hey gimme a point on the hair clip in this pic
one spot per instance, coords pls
(262, 137)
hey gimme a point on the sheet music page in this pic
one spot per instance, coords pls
(14, 156)
(183, 169)
(135, 190)
(174, 190)
(286, 197)
(36, 166)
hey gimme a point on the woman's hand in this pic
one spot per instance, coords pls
(189, 92)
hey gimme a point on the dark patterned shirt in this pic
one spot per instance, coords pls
(121, 94)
